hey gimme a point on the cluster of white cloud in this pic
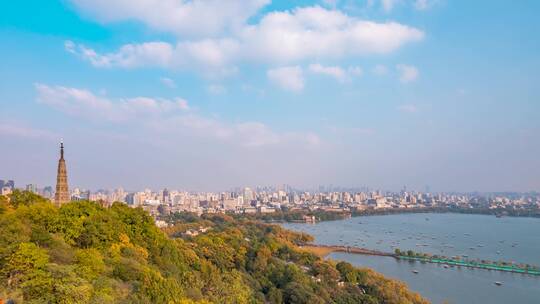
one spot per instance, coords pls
(204, 55)
(424, 4)
(181, 17)
(279, 37)
(316, 32)
(84, 103)
(216, 89)
(214, 37)
(380, 70)
(19, 130)
(163, 116)
(168, 82)
(333, 71)
(407, 108)
(289, 78)
(388, 5)
(407, 73)
(292, 77)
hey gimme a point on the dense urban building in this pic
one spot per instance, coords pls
(270, 200)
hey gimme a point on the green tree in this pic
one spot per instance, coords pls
(18, 198)
(89, 263)
(296, 293)
(348, 272)
(5, 206)
(275, 296)
(24, 262)
(327, 272)
(84, 253)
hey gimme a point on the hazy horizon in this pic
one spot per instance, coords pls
(379, 94)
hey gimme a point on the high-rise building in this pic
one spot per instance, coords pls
(47, 192)
(165, 196)
(248, 195)
(5, 190)
(7, 184)
(31, 188)
(62, 193)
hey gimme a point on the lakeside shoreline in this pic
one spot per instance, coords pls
(324, 216)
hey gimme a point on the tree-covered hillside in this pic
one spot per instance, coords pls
(84, 253)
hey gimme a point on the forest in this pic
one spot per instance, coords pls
(82, 252)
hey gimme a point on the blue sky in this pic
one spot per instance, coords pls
(200, 95)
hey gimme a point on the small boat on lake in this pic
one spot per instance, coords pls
(415, 271)
(498, 283)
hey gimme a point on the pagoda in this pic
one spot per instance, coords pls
(62, 193)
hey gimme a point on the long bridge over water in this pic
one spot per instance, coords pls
(324, 250)
(472, 264)
(327, 249)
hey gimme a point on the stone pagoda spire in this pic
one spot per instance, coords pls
(62, 193)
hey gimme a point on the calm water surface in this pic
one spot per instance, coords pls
(475, 236)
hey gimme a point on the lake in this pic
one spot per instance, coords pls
(473, 236)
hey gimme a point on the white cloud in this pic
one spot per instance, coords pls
(315, 32)
(407, 108)
(181, 17)
(216, 89)
(380, 70)
(256, 134)
(279, 37)
(388, 5)
(19, 130)
(182, 103)
(421, 5)
(253, 90)
(83, 103)
(168, 82)
(337, 72)
(333, 71)
(248, 134)
(356, 71)
(203, 54)
(289, 78)
(162, 117)
(407, 73)
(70, 46)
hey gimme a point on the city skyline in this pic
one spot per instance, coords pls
(379, 94)
(47, 190)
